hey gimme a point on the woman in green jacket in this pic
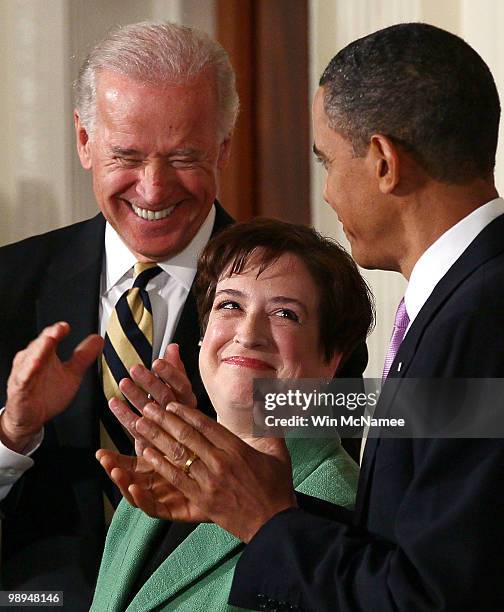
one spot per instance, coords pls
(275, 300)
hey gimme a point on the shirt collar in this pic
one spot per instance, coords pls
(119, 260)
(435, 262)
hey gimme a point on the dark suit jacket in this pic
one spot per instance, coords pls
(53, 530)
(428, 529)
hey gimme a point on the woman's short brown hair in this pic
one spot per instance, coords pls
(346, 312)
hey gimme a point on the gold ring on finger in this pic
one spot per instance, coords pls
(189, 462)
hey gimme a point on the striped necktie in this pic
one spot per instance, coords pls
(128, 341)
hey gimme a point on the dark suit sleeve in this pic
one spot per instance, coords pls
(446, 552)
(443, 548)
(53, 530)
(324, 509)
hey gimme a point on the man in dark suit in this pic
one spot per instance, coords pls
(406, 124)
(156, 105)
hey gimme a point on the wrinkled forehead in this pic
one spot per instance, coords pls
(120, 92)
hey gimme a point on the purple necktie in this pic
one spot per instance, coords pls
(400, 325)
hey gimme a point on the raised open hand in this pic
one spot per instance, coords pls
(166, 383)
(40, 385)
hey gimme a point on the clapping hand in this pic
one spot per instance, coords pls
(135, 477)
(40, 385)
(192, 468)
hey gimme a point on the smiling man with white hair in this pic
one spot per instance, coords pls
(155, 108)
(156, 105)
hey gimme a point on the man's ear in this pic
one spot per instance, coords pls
(385, 158)
(83, 144)
(224, 153)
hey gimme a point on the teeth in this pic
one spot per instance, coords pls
(151, 215)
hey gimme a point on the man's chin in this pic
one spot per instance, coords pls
(361, 257)
(151, 252)
(156, 243)
(367, 261)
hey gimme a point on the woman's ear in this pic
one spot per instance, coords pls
(334, 363)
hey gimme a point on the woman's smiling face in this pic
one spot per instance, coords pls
(264, 326)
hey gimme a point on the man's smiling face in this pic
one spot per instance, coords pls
(155, 154)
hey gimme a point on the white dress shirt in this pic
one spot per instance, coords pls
(168, 292)
(435, 262)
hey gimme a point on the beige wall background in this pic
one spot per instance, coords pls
(334, 24)
(42, 43)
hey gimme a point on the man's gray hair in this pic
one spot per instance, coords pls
(157, 53)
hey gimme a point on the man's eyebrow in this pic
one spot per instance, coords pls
(183, 152)
(124, 152)
(127, 152)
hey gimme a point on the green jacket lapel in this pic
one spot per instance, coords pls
(202, 550)
(128, 544)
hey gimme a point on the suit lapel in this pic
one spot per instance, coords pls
(72, 294)
(72, 289)
(130, 539)
(187, 336)
(202, 550)
(485, 246)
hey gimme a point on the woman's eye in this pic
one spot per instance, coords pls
(286, 313)
(227, 305)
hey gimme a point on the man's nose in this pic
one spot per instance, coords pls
(253, 330)
(156, 184)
